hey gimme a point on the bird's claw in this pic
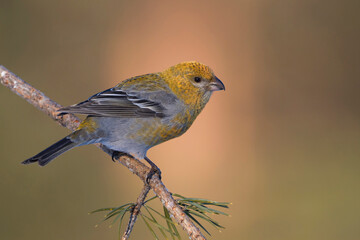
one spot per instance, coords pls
(116, 155)
(153, 170)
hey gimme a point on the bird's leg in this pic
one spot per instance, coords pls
(116, 155)
(153, 170)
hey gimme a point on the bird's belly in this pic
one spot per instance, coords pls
(137, 135)
(155, 131)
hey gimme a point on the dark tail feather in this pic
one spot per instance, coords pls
(52, 152)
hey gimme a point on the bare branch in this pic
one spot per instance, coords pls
(36, 98)
(45, 104)
(135, 211)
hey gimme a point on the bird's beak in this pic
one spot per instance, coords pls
(217, 85)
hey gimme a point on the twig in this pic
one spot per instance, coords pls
(135, 211)
(45, 104)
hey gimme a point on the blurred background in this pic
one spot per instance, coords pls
(282, 143)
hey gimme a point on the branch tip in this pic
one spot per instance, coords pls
(4, 73)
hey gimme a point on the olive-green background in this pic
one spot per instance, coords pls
(282, 143)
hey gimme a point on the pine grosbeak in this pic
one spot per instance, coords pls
(139, 112)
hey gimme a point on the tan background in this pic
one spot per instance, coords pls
(281, 143)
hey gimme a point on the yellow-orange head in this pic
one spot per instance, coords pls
(192, 82)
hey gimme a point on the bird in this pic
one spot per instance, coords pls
(139, 113)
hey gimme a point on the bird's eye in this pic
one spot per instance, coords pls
(197, 79)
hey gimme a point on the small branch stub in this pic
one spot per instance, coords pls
(135, 211)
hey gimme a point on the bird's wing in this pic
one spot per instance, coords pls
(123, 103)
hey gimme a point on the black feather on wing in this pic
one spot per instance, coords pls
(115, 102)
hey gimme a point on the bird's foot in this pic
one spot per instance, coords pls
(151, 173)
(116, 155)
(153, 170)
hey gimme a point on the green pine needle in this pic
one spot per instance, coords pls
(161, 228)
(195, 208)
(150, 228)
(170, 224)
